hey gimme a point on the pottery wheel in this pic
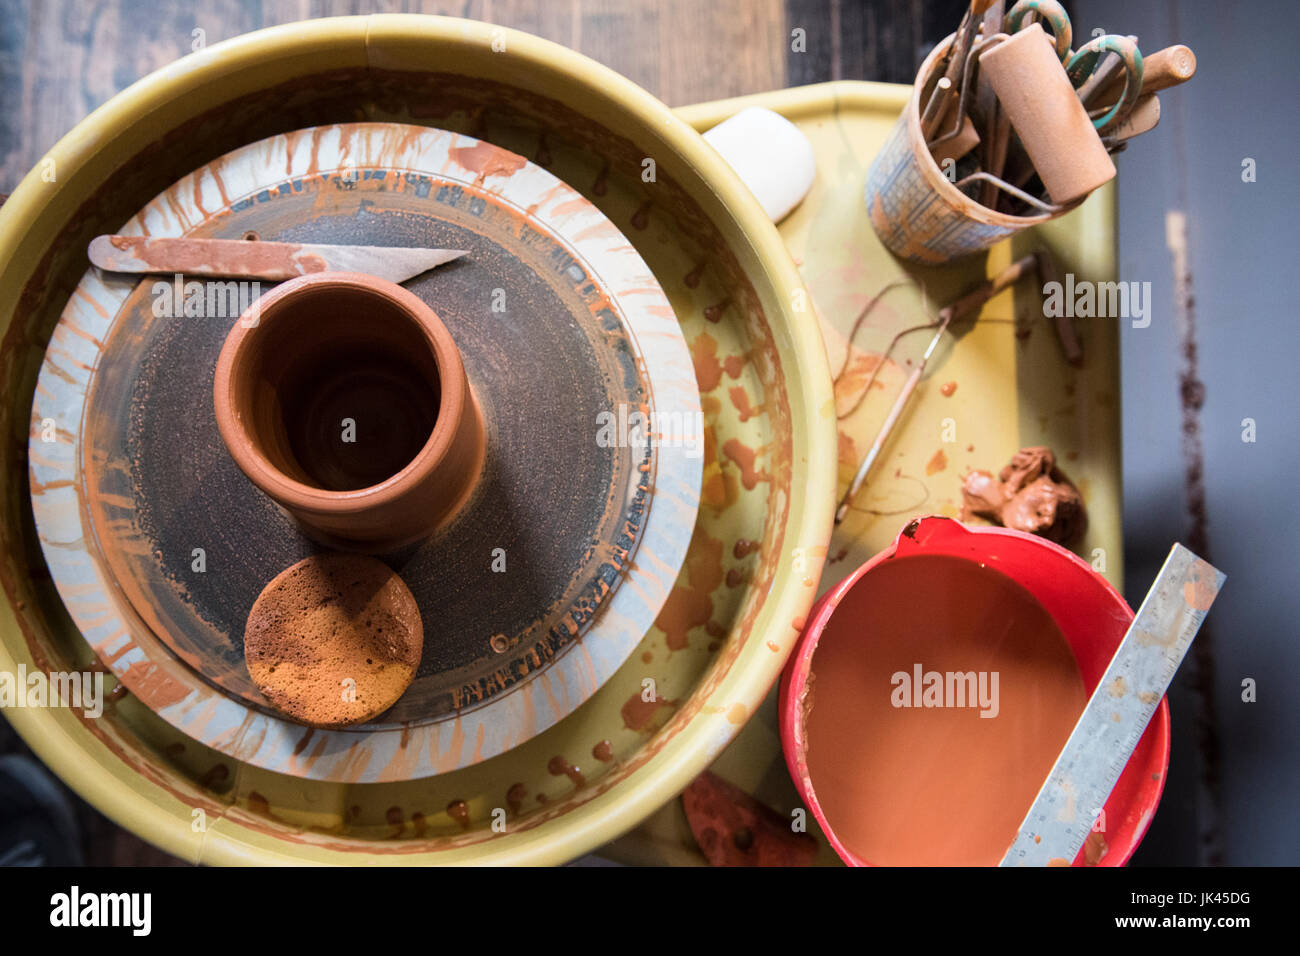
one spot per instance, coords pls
(558, 516)
(533, 585)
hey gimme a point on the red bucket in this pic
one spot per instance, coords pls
(1090, 614)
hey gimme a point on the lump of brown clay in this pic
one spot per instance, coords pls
(334, 640)
(1030, 494)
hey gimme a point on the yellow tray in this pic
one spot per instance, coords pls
(1013, 386)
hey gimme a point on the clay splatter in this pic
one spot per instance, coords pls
(690, 605)
(641, 714)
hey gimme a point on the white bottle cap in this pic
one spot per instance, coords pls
(770, 154)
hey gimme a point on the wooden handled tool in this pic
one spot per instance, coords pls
(274, 261)
(944, 97)
(973, 300)
(1167, 67)
(1106, 78)
(1066, 332)
(1160, 71)
(956, 146)
(966, 305)
(1143, 119)
(891, 420)
(996, 126)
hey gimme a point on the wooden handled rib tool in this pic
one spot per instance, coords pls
(245, 259)
(968, 304)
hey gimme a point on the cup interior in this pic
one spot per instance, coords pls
(337, 386)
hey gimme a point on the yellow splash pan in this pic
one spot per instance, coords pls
(770, 470)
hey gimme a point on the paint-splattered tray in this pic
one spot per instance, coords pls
(999, 384)
(532, 597)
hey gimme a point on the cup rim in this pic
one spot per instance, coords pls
(453, 397)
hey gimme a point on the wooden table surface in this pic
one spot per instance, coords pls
(59, 59)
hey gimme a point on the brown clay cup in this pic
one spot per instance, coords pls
(343, 398)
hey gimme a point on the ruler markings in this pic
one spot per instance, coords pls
(1117, 713)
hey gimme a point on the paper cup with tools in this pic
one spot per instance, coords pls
(917, 209)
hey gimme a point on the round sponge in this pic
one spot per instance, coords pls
(334, 640)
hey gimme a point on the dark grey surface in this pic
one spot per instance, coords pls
(1242, 258)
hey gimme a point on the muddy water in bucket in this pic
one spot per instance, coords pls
(942, 693)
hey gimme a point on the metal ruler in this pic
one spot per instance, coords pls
(1118, 712)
